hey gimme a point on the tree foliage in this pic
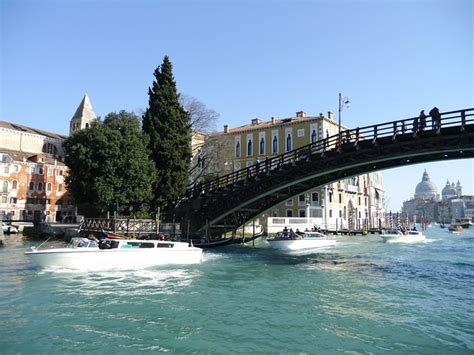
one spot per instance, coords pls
(203, 119)
(167, 125)
(109, 163)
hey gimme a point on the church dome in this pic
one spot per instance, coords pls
(448, 191)
(425, 189)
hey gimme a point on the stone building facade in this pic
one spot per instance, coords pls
(427, 204)
(32, 170)
(343, 204)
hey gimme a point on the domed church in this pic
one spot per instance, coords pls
(426, 190)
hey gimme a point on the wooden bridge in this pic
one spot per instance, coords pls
(223, 204)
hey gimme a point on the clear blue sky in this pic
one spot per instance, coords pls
(244, 59)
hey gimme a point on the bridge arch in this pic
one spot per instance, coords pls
(231, 200)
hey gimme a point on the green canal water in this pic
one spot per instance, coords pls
(363, 296)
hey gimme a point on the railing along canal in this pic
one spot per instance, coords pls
(460, 118)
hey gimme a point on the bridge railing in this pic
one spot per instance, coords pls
(414, 126)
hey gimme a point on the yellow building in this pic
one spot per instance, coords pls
(347, 204)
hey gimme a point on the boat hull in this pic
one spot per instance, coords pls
(301, 244)
(403, 239)
(97, 259)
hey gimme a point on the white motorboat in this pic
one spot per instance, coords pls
(116, 254)
(302, 242)
(456, 229)
(397, 236)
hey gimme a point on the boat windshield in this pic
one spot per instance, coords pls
(82, 243)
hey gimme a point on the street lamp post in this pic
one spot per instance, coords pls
(343, 102)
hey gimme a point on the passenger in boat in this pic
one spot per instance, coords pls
(299, 234)
(285, 232)
(292, 234)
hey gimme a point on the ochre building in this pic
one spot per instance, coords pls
(346, 204)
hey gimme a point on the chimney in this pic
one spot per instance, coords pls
(300, 114)
(330, 115)
(226, 129)
(273, 120)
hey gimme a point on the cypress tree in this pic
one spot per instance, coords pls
(167, 125)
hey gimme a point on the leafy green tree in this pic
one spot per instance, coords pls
(167, 125)
(109, 164)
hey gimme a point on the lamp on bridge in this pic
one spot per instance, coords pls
(343, 102)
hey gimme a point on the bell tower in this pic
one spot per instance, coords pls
(83, 117)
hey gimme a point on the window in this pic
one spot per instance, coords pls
(15, 168)
(5, 186)
(275, 145)
(87, 125)
(48, 187)
(40, 170)
(289, 213)
(40, 186)
(262, 146)
(302, 213)
(6, 169)
(288, 142)
(340, 198)
(237, 150)
(14, 184)
(301, 132)
(50, 171)
(301, 200)
(359, 200)
(330, 213)
(13, 200)
(61, 172)
(32, 169)
(4, 199)
(315, 197)
(289, 202)
(275, 213)
(32, 185)
(313, 136)
(249, 148)
(330, 197)
(60, 187)
(340, 213)
(50, 148)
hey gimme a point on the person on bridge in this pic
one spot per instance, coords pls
(415, 125)
(422, 120)
(435, 117)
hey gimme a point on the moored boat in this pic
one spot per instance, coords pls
(397, 236)
(456, 229)
(116, 254)
(299, 242)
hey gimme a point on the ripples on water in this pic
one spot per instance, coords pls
(363, 296)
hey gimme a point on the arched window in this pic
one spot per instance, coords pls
(237, 150)
(262, 146)
(40, 186)
(275, 145)
(14, 184)
(313, 136)
(288, 142)
(60, 187)
(249, 148)
(48, 186)
(32, 185)
(50, 148)
(87, 125)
